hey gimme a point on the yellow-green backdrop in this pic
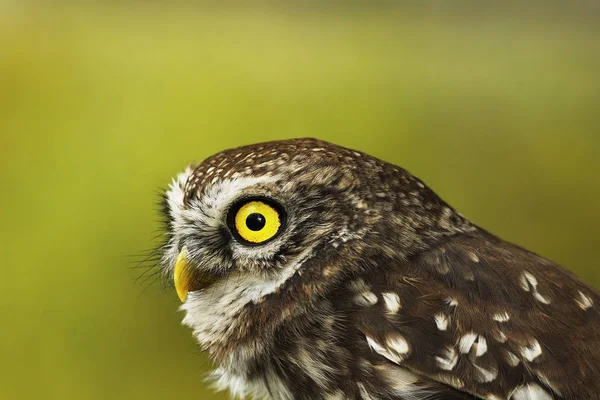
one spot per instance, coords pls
(498, 109)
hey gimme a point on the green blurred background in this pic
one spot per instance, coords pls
(497, 108)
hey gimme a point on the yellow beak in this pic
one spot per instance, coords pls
(182, 275)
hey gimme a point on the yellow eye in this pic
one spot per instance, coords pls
(257, 222)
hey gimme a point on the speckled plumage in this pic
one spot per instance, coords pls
(375, 288)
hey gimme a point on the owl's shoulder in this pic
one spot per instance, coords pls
(489, 318)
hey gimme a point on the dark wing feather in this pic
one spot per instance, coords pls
(489, 318)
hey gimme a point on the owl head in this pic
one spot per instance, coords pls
(279, 223)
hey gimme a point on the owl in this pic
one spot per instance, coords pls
(312, 271)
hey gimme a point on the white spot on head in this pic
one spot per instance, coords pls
(583, 301)
(532, 391)
(448, 359)
(441, 321)
(392, 302)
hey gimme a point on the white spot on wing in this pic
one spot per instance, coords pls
(532, 391)
(499, 336)
(466, 342)
(526, 279)
(529, 283)
(365, 299)
(441, 321)
(501, 317)
(512, 359)
(395, 349)
(392, 302)
(448, 359)
(473, 256)
(472, 343)
(541, 298)
(485, 374)
(399, 379)
(480, 346)
(532, 351)
(584, 301)
(398, 344)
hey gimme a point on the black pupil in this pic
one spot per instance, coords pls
(255, 221)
